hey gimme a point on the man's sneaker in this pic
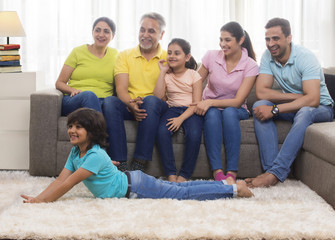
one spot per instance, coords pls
(123, 166)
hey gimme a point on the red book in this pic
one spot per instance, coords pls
(9, 46)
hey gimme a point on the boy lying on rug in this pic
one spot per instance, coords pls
(89, 162)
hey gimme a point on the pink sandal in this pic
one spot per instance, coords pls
(230, 175)
(220, 176)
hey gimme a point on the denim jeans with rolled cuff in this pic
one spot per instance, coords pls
(219, 125)
(145, 186)
(192, 127)
(278, 162)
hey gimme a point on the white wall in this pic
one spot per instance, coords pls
(54, 27)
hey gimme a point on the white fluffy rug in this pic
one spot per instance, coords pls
(287, 211)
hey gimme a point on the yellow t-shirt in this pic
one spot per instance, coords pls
(142, 74)
(92, 73)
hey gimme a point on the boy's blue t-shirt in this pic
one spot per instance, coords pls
(106, 181)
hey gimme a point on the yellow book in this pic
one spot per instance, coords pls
(10, 58)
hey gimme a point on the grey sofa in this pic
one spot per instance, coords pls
(49, 146)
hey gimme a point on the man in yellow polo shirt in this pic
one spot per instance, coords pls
(136, 72)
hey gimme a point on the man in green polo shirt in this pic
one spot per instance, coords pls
(136, 72)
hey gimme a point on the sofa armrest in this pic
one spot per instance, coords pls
(45, 110)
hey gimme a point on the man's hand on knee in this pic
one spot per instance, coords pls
(263, 112)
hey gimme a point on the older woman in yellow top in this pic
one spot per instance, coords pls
(87, 76)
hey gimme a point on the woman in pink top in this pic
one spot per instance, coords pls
(231, 74)
(179, 85)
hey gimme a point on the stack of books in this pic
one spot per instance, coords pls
(9, 58)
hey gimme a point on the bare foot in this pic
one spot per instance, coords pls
(248, 181)
(230, 180)
(181, 179)
(263, 180)
(172, 178)
(243, 190)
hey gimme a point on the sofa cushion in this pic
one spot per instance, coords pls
(62, 129)
(330, 82)
(320, 140)
(247, 131)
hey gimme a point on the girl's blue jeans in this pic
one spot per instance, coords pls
(145, 186)
(224, 125)
(86, 99)
(192, 127)
(278, 162)
(115, 112)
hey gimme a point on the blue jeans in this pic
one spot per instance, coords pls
(193, 131)
(279, 162)
(224, 125)
(115, 112)
(145, 186)
(86, 99)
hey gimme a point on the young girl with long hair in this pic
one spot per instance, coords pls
(231, 74)
(89, 162)
(179, 85)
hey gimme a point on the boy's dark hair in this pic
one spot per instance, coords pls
(186, 47)
(93, 122)
(283, 23)
(107, 20)
(236, 30)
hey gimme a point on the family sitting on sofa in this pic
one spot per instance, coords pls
(162, 91)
